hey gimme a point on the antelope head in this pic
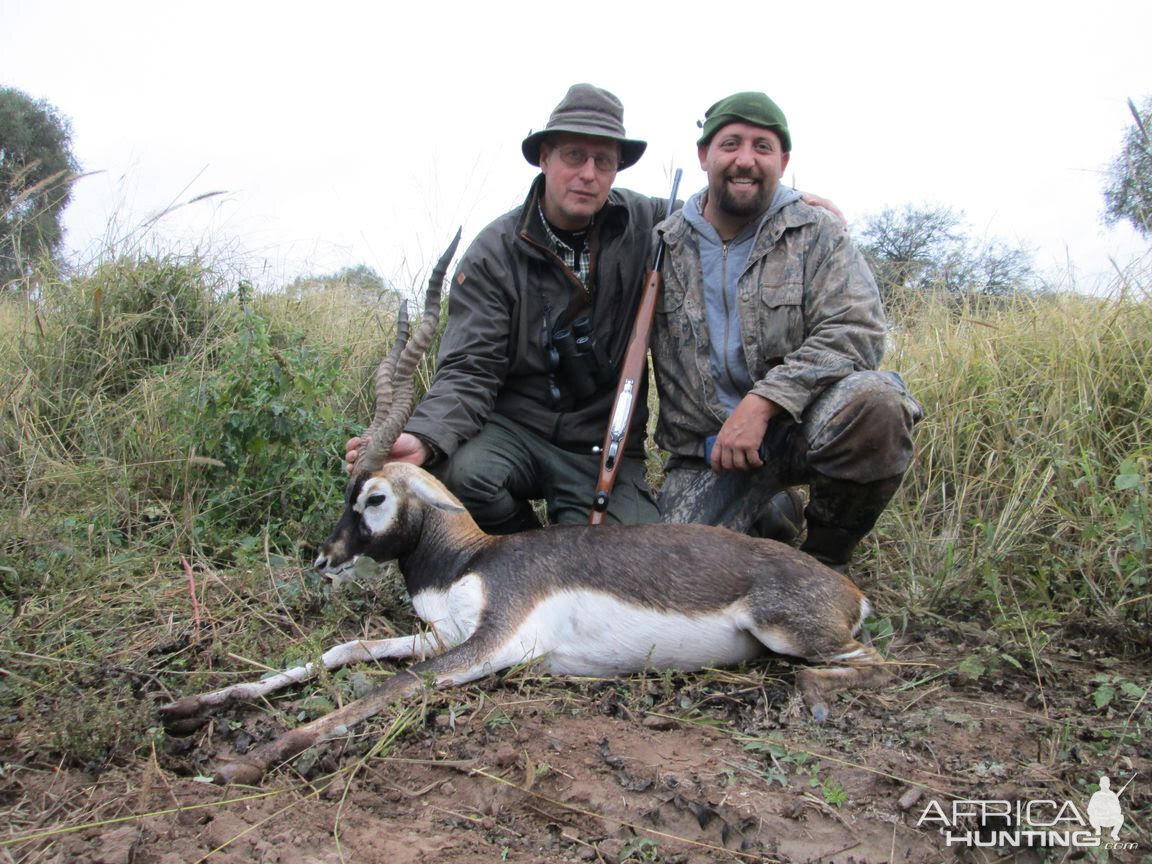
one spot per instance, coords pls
(378, 520)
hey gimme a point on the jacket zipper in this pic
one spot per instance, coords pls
(727, 311)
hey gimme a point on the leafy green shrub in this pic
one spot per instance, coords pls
(263, 437)
(105, 330)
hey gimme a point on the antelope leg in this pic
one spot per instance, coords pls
(176, 714)
(466, 662)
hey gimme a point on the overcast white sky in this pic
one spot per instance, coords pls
(348, 133)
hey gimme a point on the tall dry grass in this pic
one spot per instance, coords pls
(1029, 497)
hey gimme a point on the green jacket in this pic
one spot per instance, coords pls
(493, 356)
(810, 315)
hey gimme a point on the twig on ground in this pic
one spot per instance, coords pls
(195, 602)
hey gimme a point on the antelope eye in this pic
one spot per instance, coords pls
(375, 500)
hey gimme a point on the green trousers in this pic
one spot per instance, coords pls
(499, 472)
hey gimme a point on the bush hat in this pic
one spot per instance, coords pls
(749, 107)
(587, 110)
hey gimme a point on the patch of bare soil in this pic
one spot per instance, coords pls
(719, 766)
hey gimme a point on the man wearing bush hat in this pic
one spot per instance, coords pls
(511, 415)
(767, 335)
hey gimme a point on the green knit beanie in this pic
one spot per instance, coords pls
(749, 107)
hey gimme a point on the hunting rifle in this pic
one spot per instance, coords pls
(628, 387)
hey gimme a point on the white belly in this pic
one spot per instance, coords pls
(593, 633)
(452, 614)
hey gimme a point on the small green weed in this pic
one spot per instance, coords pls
(1112, 689)
(881, 631)
(784, 762)
(640, 849)
(497, 719)
(834, 794)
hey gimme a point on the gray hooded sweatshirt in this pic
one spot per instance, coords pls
(723, 264)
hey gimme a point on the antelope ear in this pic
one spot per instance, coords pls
(431, 491)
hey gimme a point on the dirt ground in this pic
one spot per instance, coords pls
(715, 766)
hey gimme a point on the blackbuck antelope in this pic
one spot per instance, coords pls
(581, 600)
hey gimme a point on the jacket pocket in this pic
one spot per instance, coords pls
(671, 319)
(781, 321)
(670, 298)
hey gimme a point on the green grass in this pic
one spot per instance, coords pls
(1028, 500)
(153, 410)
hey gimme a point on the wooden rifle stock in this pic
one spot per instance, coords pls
(630, 384)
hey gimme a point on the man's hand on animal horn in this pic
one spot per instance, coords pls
(408, 448)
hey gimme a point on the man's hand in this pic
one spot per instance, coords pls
(737, 446)
(407, 448)
(817, 201)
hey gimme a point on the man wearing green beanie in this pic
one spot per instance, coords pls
(767, 337)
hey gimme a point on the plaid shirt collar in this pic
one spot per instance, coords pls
(581, 267)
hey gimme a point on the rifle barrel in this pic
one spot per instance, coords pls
(628, 384)
(658, 258)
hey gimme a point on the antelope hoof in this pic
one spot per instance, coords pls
(819, 712)
(238, 772)
(183, 727)
(174, 713)
(810, 691)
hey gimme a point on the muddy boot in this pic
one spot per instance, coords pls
(840, 513)
(782, 519)
(831, 545)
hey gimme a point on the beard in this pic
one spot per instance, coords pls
(754, 202)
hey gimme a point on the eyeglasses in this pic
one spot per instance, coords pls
(575, 156)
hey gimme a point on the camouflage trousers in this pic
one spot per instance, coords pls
(852, 446)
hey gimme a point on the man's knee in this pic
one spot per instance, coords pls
(864, 428)
(487, 478)
(481, 491)
(470, 475)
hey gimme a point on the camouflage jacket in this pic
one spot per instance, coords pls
(810, 315)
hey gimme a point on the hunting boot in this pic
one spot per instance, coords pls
(783, 518)
(840, 513)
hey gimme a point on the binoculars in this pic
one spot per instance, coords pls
(581, 361)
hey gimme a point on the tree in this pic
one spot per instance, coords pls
(36, 173)
(1128, 194)
(928, 248)
(361, 280)
(902, 245)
